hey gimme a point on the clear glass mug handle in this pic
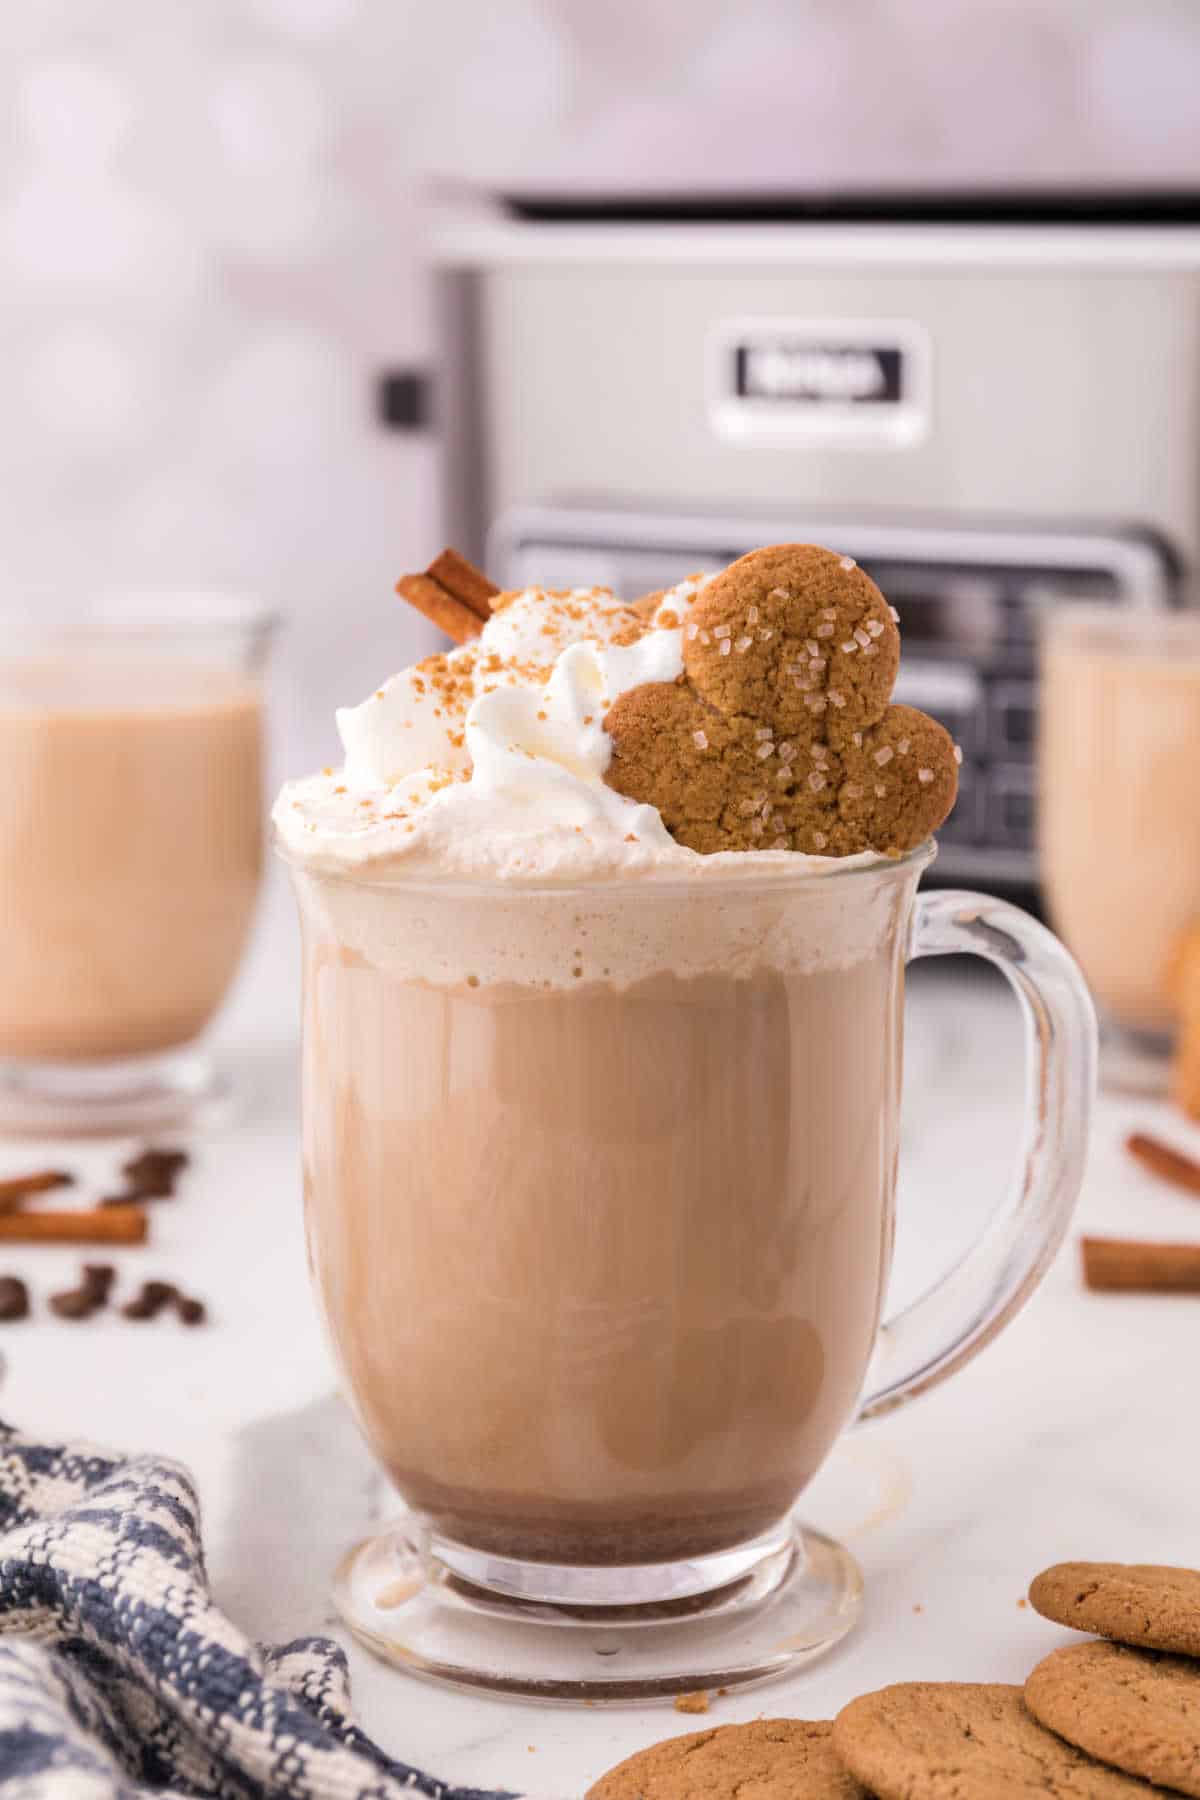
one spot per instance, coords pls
(952, 1322)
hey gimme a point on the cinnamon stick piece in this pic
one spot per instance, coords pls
(1161, 1160)
(1124, 1265)
(15, 1189)
(452, 594)
(110, 1225)
(452, 571)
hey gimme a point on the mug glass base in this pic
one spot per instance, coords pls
(560, 1633)
(177, 1090)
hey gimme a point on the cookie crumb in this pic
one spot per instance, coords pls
(691, 1703)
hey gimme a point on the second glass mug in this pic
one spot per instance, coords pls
(131, 835)
(599, 1194)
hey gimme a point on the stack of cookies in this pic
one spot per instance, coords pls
(1112, 1719)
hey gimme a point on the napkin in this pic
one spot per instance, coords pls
(119, 1678)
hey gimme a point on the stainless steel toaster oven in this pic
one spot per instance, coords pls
(993, 415)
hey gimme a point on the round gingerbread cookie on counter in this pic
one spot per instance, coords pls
(952, 1740)
(770, 1759)
(780, 734)
(1136, 1709)
(1150, 1604)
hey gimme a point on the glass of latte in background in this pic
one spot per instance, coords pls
(131, 745)
(1119, 821)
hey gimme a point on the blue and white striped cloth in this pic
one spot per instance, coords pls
(120, 1679)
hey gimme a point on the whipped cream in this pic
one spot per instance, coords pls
(489, 761)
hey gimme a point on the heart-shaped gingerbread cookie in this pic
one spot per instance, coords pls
(780, 734)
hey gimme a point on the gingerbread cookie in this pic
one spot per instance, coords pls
(1137, 1603)
(1136, 1709)
(781, 734)
(771, 1759)
(954, 1740)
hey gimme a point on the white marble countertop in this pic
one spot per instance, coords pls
(1072, 1436)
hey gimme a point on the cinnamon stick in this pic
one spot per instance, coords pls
(1161, 1160)
(16, 1189)
(461, 578)
(1124, 1265)
(452, 594)
(108, 1225)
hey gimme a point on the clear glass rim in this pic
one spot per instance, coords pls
(135, 615)
(1101, 628)
(775, 880)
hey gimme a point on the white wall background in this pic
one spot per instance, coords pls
(210, 236)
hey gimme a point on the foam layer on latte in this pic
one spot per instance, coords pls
(616, 934)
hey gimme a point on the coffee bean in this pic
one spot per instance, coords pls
(150, 1176)
(76, 1303)
(149, 1301)
(14, 1299)
(97, 1281)
(153, 1296)
(155, 1171)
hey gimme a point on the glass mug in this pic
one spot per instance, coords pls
(1119, 742)
(131, 740)
(599, 1194)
